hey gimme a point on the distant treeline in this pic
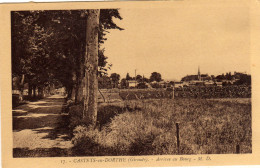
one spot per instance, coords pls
(237, 78)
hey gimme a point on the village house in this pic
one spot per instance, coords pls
(132, 83)
(197, 80)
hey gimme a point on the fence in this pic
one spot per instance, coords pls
(188, 92)
(145, 94)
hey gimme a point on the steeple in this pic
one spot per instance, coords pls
(199, 76)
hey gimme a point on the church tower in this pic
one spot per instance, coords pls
(199, 76)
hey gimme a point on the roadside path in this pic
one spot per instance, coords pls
(40, 129)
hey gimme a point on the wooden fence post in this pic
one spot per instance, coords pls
(178, 137)
(237, 149)
(172, 93)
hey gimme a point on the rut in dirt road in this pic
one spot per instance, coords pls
(40, 129)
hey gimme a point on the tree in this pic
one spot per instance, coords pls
(212, 77)
(91, 68)
(155, 85)
(105, 22)
(115, 79)
(50, 47)
(124, 83)
(56, 40)
(244, 79)
(128, 77)
(139, 78)
(220, 77)
(228, 76)
(30, 50)
(145, 79)
(104, 82)
(155, 76)
(94, 36)
(142, 85)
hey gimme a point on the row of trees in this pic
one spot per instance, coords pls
(64, 47)
(155, 76)
(113, 80)
(239, 78)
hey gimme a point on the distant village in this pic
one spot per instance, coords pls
(156, 81)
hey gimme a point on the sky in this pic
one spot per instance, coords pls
(175, 40)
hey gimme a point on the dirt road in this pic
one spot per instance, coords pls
(40, 129)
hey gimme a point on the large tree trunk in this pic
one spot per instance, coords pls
(80, 83)
(80, 62)
(91, 68)
(79, 89)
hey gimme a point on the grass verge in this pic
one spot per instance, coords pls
(148, 127)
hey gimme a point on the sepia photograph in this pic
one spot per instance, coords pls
(178, 85)
(173, 83)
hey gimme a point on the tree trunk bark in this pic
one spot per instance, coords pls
(79, 90)
(52, 89)
(30, 90)
(91, 68)
(34, 91)
(21, 87)
(80, 83)
(73, 93)
(69, 92)
(40, 92)
(74, 86)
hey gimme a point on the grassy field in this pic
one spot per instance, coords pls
(145, 94)
(148, 127)
(213, 92)
(114, 95)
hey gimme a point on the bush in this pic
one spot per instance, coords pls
(142, 86)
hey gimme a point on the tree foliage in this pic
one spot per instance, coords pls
(48, 46)
(139, 78)
(128, 77)
(155, 76)
(115, 79)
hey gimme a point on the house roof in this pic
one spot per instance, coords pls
(132, 81)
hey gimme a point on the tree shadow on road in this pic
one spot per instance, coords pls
(46, 120)
(61, 130)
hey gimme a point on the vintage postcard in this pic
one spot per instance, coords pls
(130, 83)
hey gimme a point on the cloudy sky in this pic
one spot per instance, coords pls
(175, 40)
